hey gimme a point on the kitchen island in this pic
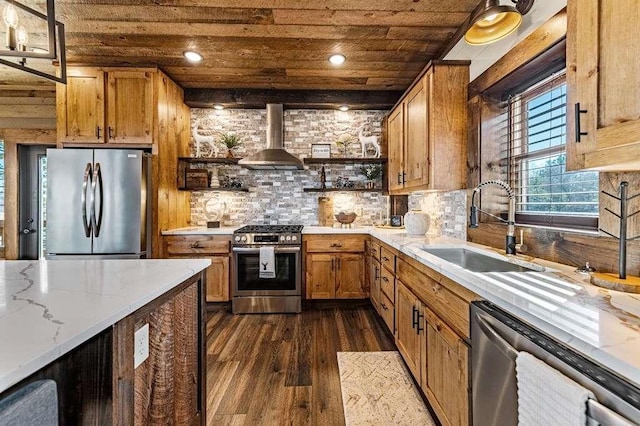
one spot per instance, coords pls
(74, 321)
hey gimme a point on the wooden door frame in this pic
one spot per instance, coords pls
(12, 138)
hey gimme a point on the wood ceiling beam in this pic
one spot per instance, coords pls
(308, 99)
(377, 5)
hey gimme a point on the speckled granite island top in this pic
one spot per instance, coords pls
(47, 308)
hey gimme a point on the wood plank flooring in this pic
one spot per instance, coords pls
(282, 369)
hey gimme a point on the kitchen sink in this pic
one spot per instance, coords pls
(474, 261)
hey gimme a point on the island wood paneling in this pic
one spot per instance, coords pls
(252, 44)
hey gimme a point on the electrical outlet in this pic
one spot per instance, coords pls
(141, 345)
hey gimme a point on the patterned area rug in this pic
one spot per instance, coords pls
(377, 389)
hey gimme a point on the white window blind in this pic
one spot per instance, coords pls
(532, 134)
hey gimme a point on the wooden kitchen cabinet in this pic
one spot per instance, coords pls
(335, 276)
(214, 247)
(605, 88)
(103, 105)
(335, 266)
(372, 260)
(427, 131)
(408, 307)
(447, 371)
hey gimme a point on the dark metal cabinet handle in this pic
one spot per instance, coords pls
(404, 178)
(375, 277)
(385, 258)
(98, 130)
(414, 321)
(418, 328)
(399, 178)
(332, 264)
(384, 306)
(385, 279)
(577, 112)
(195, 245)
(111, 132)
(336, 245)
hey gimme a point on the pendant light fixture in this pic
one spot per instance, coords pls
(32, 35)
(491, 21)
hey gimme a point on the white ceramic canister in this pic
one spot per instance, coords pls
(416, 222)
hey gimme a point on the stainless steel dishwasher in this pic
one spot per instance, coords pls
(496, 339)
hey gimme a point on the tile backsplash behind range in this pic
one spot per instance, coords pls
(277, 196)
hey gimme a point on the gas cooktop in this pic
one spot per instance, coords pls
(270, 229)
(268, 235)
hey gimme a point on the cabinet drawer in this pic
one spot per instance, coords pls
(335, 243)
(451, 308)
(197, 244)
(387, 284)
(374, 250)
(388, 259)
(387, 311)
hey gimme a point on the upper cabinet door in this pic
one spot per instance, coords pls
(80, 106)
(416, 142)
(130, 107)
(604, 84)
(395, 139)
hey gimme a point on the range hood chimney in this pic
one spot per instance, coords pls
(274, 157)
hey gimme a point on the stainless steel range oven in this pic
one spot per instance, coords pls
(283, 292)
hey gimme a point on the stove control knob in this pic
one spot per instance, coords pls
(244, 238)
(237, 238)
(281, 237)
(288, 237)
(294, 238)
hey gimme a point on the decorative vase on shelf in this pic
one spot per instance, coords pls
(416, 222)
(229, 153)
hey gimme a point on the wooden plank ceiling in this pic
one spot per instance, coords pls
(260, 44)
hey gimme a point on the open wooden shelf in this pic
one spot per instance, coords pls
(353, 160)
(216, 189)
(213, 160)
(343, 190)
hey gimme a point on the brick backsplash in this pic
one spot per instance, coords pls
(276, 197)
(448, 211)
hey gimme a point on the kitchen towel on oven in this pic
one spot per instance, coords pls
(267, 262)
(548, 397)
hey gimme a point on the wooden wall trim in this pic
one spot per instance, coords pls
(12, 138)
(543, 38)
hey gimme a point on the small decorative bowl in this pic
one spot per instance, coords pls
(346, 218)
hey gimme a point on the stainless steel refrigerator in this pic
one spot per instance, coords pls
(98, 203)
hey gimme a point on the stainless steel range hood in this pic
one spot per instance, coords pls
(274, 157)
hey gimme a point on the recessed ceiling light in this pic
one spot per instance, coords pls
(218, 106)
(337, 59)
(192, 56)
(344, 108)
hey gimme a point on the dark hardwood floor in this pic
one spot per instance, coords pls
(282, 369)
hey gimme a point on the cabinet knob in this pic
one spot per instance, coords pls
(195, 245)
(385, 279)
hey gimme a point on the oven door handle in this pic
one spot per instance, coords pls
(257, 250)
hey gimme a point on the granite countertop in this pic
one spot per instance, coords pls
(47, 308)
(599, 323)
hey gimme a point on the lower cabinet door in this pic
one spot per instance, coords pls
(321, 277)
(407, 337)
(218, 279)
(350, 282)
(447, 372)
(374, 282)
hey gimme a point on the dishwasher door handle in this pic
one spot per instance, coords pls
(604, 416)
(496, 339)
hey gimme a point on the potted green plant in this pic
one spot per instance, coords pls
(371, 172)
(343, 143)
(231, 141)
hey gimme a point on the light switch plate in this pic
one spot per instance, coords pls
(141, 345)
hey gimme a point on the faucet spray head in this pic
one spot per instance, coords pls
(473, 217)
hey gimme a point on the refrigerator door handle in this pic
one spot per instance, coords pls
(96, 220)
(85, 186)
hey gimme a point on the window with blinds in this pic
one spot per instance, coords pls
(533, 137)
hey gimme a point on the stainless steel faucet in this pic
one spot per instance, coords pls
(510, 243)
